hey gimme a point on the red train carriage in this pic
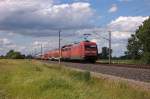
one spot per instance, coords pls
(66, 52)
(45, 56)
(85, 50)
(53, 55)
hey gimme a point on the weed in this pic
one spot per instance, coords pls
(82, 76)
(55, 83)
(38, 69)
(87, 75)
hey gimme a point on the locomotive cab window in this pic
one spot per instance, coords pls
(89, 47)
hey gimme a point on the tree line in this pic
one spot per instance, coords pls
(14, 55)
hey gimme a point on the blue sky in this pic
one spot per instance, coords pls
(124, 8)
(24, 25)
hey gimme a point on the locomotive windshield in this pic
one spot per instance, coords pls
(90, 47)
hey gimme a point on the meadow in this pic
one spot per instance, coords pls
(30, 79)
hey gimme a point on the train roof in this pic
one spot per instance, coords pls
(82, 42)
(66, 45)
(87, 42)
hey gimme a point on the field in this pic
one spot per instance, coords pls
(24, 79)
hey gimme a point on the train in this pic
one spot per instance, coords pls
(82, 51)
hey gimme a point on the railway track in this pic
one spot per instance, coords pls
(140, 66)
(135, 73)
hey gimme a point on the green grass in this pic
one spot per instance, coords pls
(24, 79)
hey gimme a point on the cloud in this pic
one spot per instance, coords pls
(121, 35)
(126, 23)
(4, 41)
(42, 18)
(51, 43)
(37, 44)
(5, 45)
(113, 8)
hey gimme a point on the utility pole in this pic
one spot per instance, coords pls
(59, 47)
(34, 52)
(110, 51)
(41, 50)
(109, 47)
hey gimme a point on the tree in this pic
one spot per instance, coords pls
(29, 57)
(14, 55)
(139, 44)
(105, 53)
(143, 34)
(133, 47)
(2, 57)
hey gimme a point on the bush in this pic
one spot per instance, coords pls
(87, 75)
(146, 58)
(14, 55)
(82, 76)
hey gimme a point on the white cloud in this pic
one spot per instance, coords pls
(11, 34)
(121, 35)
(7, 44)
(37, 44)
(126, 23)
(45, 44)
(113, 8)
(4, 41)
(43, 17)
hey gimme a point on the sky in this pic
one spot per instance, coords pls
(26, 24)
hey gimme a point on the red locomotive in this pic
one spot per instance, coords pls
(86, 51)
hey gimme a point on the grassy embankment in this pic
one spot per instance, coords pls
(23, 79)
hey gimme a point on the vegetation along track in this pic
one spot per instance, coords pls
(124, 72)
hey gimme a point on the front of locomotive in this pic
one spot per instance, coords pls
(90, 51)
